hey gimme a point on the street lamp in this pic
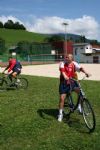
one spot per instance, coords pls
(65, 24)
(65, 42)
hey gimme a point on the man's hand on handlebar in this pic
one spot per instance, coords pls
(87, 75)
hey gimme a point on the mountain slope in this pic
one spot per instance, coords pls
(13, 36)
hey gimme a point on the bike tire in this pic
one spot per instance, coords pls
(3, 84)
(68, 105)
(23, 84)
(74, 100)
(88, 115)
(66, 108)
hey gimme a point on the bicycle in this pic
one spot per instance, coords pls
(86, 109)
(17, 83)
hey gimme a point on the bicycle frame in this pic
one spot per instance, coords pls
(81, 95)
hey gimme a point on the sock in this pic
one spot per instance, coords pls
(79, 107)
(61, 111)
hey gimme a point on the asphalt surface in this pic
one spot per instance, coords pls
(52, 70)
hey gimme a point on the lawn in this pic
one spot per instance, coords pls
(28, 119)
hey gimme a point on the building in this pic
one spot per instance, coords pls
(82, 52)
(62, 48)
(86, 53)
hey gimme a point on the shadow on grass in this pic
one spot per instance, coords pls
(72, 121)
(50, 112)
(76, 124)
(7, 89)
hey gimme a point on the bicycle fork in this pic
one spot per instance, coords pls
(71, 105)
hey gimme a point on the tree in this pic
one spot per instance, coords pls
(94, 42)
(2, 46)
(54, 38)
(1, 24)
(18, 26)
(82, 39)
(21, 26)
(9, 24)
(24, 48)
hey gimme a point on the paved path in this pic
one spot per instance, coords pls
(52, 70)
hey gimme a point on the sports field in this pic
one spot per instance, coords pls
(28, 119)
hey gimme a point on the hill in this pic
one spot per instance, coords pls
(14, 36)
(69, 36)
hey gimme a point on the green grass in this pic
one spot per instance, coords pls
(28, 119)
(14, 36)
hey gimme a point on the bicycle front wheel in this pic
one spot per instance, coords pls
(22, 83)
(88, 115)
(3, 84)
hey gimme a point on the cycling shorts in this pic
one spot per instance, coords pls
(17, 70)
(65, 88)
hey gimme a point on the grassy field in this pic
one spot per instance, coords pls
(28, 119)
(14, 36)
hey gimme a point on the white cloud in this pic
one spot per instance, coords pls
(6, 18)
(85, 25)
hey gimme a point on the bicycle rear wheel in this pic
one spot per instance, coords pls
(22, 83)
(68, 105)
(75, 100)
(66, 108)
(88, 115)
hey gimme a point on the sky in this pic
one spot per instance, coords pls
(48, 16)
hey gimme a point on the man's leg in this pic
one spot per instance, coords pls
(10, 77)
(14, 74)
(61, 106)
(13, 77)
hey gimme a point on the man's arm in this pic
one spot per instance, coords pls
(11, 67)
(65, 76)
(78, 68)
(62, 71)
(6, 69)
(84, 71)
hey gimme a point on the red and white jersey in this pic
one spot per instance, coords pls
(69, 69)
(12, 64)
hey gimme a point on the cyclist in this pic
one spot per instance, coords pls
(14, 68)
(68, 69)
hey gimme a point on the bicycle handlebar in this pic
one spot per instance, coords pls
(81, 78)
(4, 75)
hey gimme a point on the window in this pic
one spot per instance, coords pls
(88, 54)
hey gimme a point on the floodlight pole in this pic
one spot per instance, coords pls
(65, 41)
(65, 24)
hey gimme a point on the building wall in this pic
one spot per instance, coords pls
(84, 54)
(63, 46)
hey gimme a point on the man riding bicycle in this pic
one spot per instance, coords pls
(68, 69)
(14, 68)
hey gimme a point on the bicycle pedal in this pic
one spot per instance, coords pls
(71, 110)
(66, 105)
